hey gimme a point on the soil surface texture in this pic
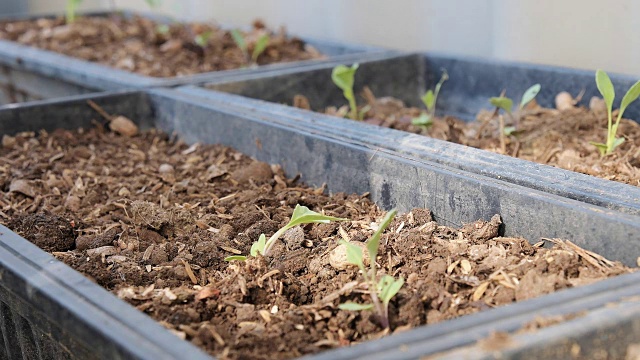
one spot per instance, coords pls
(559, 137)
(151, 219)
(149, 48)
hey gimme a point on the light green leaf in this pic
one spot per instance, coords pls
(444, 78)
(362, 112)
(529, 95)
(344, 76)
(429, 99)
(258, 246)
(163, 29)
(600, 146)
(351, 306)
(508, 130)
(71, 9)
(203, 39)
(423, 120)
(389, 287)
(261, 45)
(153, 3)
(235, 258)
(354, 254)
(302, 215)
(239, 40)
(617, 142)
(503, 103)
(374, 241)
(632, 94)
(606, 88)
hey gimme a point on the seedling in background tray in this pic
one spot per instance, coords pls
(506, 104)
(154, 4)
(203, 39)
(71, 9)
(344, 78)
(608, 93)
(301, 215)
(429, 99)
(259, 47)
(382, 291)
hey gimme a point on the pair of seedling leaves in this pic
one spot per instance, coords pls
(260, 46)
(506, 104)
(344, 78)
(381, 292)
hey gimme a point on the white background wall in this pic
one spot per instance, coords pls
(578, 33)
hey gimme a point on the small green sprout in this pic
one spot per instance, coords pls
(71, 9)
(344, 78)
(163, 29)
(381, 292)
(429, 99)
(154, 4)
(237, 37)
(608, 93)
(203, 39)
(301, 215)
(260, 47)
(506, 104)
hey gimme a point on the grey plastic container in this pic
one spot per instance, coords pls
(471, 83)
(28, 73)
(51, 311)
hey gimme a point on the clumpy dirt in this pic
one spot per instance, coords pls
(145, 47)
(151, 219)
(554, 137)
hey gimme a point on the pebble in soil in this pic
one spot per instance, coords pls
(151, 219)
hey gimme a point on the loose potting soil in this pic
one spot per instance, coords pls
(560, 138)
(151, 219)
(149, 48)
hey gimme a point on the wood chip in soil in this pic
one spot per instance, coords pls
(149, 48)
(561, 138)
(151, 219)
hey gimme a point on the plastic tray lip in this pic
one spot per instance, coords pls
(600, 289)
(104, 77)
(600, 192)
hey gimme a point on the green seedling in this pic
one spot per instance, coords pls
(429, 99)
(506, 104)
(154, 4)
(71, 9)
(163, 29)
(382, 291)
(203, 39)
(237, 37)
(608, 94)
(301, 215)
(344, 78)
(260, 47)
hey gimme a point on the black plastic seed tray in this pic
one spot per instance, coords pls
(471, 83)
(28, 73)
(51, 311)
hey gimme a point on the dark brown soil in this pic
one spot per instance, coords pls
(143, 46)
(554, 137)
(151, 219)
